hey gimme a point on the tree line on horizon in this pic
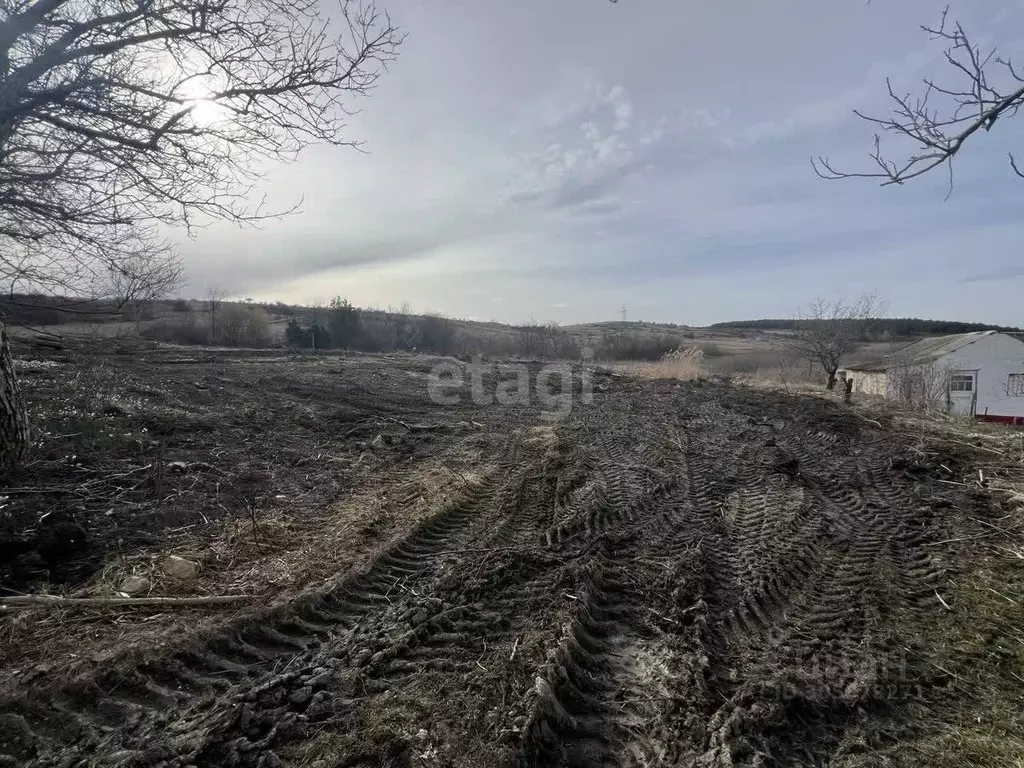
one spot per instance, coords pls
(881, 329)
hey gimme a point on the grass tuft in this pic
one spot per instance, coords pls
(683, 364)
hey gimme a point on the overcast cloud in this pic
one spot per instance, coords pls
(556, 159)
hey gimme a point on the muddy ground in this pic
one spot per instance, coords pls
(676, 574)
(135, 441)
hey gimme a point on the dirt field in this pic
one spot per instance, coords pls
(678, 574)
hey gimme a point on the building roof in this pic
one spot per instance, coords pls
(921, 352)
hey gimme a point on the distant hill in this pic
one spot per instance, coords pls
(896, 327)
(191, 321)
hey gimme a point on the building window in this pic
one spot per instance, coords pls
(961, 383)
(1015, 385)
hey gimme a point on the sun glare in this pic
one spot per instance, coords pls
(204, 111)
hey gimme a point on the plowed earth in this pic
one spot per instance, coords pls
(675, 575)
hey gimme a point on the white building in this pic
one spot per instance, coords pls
(976, 374)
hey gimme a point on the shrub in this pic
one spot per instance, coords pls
(343, 324)
(636, 346)
(710, 349)
(436, 334)
(297, 336)
(240, 325)
(184, 330)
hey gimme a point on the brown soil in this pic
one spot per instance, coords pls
(679, 574)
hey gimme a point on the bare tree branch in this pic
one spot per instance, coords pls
(943, 117)
(119, 116)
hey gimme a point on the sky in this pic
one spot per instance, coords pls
(555, 161)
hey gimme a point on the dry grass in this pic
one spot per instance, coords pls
(241, 559)
(542, 435)
(683, 364)
(776, 381)
(277, 559)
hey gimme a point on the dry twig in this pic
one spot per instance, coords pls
(25, 601)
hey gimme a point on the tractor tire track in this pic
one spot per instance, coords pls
(678, 575)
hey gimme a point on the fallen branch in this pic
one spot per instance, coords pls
(60, 490)
(962, 538)
(456, 474)
(970, 445)
(13, 601)
(1004, 531)
(416, 427)
(365, 426)
(1000, 594)
(865, 418)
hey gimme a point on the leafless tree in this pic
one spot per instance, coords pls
(119, 116)
(830, 329)
(121, 112)
(532, 334)
(982, 88)
(214, 298)
(144, 276)
(243, 325)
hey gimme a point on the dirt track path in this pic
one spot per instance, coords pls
(687, 575)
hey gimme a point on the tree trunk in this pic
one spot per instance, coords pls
(13, 415)
(831, 381)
